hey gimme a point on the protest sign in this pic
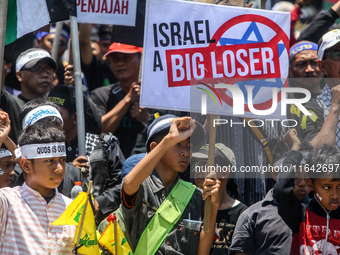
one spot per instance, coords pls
(117, 12)
(200, 49)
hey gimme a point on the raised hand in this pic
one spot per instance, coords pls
(181, 129)
(69, 75)
(211, 188)
(134, 92)
(292, 140)
(5, 125)
(81, 163)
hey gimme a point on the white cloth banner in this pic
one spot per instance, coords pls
(219, 59)
(110, 12)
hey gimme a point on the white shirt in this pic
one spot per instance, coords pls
(25, 220)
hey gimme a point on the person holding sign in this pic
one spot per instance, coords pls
(27, 210)
(230, 207)
(118, 103)
(161, 211)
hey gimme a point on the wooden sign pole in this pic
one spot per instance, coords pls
(211, 156)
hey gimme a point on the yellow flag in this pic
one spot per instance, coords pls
(109, 240)
(72, 213)
(88, 241)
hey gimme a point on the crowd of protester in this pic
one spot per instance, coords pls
(138, 158)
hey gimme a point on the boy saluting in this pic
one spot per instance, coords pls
(162, 212)
(26, 211)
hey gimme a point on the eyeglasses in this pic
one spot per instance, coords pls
(39, 70)
(335, 55)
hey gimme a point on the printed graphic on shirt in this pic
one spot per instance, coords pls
(311, 238)
(223, 235)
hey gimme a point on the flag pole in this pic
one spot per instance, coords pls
(70, 55)
(83, 218)
(3, 21)
(56, 41)
(115, 234)
(78, 86)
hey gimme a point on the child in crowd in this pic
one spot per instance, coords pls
(315, 227)
(7, 163)
(42, 111)
(260, 229)
(26, 211)
(7, 160)
(301, 189)
(229, 208)
(162, 212)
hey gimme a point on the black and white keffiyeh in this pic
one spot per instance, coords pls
(325, 101)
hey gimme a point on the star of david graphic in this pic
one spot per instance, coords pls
(251, 36)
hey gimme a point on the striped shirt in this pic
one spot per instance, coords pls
(25, 219)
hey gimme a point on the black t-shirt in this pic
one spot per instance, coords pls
(12, 105)
(98, 74)
(106, 98)
(24, 99)
(261, 230)
(307, 126)
(225, 224)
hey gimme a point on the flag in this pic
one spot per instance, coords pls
(25, 16)
(73, 216)
(109, 240)
(88, 241)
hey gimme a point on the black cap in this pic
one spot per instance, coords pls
(64, 96)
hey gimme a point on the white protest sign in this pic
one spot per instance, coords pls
(221, 52)
(110, 12)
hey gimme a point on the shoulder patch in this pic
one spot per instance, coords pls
(313, 117)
